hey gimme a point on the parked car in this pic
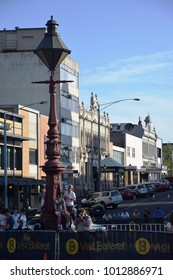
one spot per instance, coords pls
(126, 192)
(151, 188)
(106, 198)
(165, 181)
(140, 190)
(160, 186)
(170, 179)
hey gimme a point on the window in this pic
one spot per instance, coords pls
(118, 156)
(14, 158)
(159, 152)
(128, 151)
(70, 129)
(71, 104)
(18, 158)
(66, 73)
(33, 156)
(133, 152)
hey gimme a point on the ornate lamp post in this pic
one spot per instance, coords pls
(52, 51)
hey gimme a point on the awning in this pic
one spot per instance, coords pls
(110, 162)
(109, 165)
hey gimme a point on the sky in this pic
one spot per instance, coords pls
(124, 49)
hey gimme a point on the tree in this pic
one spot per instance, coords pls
(168, 157)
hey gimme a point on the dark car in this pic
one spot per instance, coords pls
(126, 193)
(86, 202)
(34, 223)
(95, 210)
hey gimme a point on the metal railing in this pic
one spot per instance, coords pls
(136, 227)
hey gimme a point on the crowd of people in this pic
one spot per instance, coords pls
(135, 215)
(69, 218)
(65, 211)
(16, 220)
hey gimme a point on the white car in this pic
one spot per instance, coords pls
(106, 198)
(140, 190)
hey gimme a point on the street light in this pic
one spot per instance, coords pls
(52, 51)
(5, 128)
(106, 105)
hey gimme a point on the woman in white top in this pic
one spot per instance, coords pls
(16, 216)
(70, 198)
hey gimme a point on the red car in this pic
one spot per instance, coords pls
(160, 186)
(126, 192)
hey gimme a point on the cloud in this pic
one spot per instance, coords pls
(148, 77)
(130, 70)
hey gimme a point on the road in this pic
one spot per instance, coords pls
(164, 200)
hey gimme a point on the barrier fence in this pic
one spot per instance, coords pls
(121, 244)
(28, 245)
(114, 245)
(135, 227)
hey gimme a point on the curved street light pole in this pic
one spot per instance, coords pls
(106, 105)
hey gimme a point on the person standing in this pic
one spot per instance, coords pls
(9, 220)
(147, 213)
(107, 217)
(41, 197)
(116, 215)
(158, 215)
(70, 198)
(125, 215)
(22, 219)
(2, 218)
(16, 216)
(136, 214)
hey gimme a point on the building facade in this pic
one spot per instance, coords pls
(19, 67)
(141, 150)
(89, 143)
(20, 173)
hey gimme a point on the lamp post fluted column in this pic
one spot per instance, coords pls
(52, 51)
(53, 167)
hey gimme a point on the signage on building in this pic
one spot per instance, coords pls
(2, 124)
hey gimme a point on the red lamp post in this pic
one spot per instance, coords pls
(52, 52)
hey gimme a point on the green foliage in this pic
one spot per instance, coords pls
(167, 157)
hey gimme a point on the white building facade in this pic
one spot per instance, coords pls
(89, 142)
(139, 148)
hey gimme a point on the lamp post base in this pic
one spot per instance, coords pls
(53, 188)
(49, 221)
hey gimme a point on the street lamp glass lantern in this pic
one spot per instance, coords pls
(52, 51)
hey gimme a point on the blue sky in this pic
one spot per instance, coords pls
(124, 49)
